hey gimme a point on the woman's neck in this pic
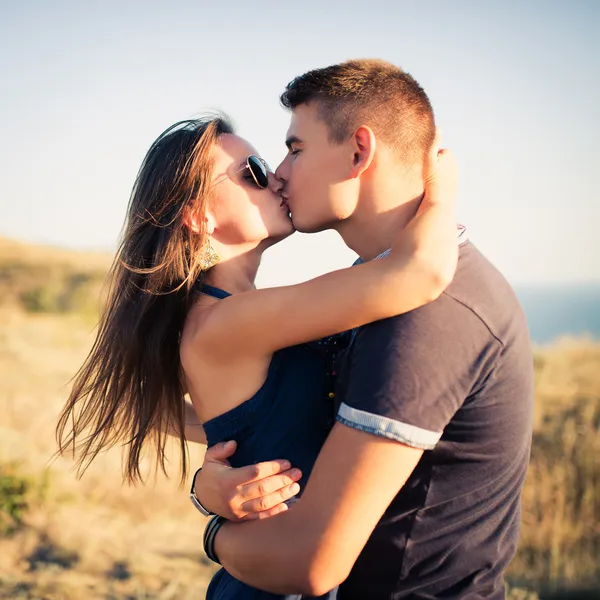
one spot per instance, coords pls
(236, 274)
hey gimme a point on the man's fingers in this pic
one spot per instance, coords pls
(251, 473)
(265, 503)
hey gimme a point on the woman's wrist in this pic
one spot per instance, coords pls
(194, 497)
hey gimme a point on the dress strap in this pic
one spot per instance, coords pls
(209, 290)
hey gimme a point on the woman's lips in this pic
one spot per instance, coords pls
(284, 205)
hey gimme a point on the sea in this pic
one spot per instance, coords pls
(556, 311)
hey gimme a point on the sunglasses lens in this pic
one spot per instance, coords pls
(259, 171)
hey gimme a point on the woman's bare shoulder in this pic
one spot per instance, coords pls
(193, 329)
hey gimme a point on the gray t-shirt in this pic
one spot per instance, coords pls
(455, 378)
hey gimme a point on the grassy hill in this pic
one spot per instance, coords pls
(50, 280)
(61, 538)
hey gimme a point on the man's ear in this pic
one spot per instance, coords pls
(363, 141)
(198, 223)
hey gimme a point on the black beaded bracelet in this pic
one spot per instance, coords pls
(209, 537)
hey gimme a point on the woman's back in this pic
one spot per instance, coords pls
(288, 417)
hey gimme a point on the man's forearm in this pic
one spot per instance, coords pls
(272, 555)
(311, 548)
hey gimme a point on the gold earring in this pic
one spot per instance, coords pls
(208, 257)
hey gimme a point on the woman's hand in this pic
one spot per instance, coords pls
(431, 236)
(246, 493)
(440, 177)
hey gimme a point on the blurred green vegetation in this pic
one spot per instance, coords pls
(14, 488)
(54, 288)
(19, 490)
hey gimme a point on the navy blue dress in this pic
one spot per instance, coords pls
(289, 417)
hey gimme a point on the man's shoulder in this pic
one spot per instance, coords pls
(478, 301)
(481, 288)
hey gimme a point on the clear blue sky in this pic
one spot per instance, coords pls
(85, 87)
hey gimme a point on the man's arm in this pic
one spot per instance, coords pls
(312, 547)
(407, 377)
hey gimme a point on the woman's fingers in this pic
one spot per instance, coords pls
(435, 148)
(233, 488)
(220, 452)
(265, 514)
(440, 179)
(252, 473)
(444, 186)
(270, 501)
(269, 485)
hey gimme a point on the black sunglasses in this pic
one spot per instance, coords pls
(258, 168)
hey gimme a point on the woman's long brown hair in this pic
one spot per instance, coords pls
(130, 386)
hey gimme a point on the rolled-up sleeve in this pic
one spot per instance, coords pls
(408, 375)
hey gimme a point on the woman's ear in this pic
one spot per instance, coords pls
(197, 223)
(364, 143)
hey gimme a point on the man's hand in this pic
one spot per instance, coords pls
(248, 493)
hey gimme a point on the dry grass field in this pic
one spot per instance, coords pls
(63, 538)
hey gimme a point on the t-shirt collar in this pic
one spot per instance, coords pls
(461, 238)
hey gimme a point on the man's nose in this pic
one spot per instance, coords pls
(281, 172)
(275, 185)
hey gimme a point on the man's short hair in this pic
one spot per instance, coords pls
(368, 92)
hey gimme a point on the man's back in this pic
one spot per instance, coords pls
(455, 378)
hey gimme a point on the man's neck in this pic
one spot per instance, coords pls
(374, 230)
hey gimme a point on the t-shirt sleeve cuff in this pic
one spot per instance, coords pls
(388, 428)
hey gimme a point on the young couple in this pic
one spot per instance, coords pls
(411, 460)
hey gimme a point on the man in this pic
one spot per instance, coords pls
(416, 492)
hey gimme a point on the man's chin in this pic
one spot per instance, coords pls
(309, 228)
(275, 239)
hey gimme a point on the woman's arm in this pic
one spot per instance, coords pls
(193, 432)
(419, 267)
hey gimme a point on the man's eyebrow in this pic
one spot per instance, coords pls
(292, 140)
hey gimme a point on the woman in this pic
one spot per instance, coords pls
(183, 315)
